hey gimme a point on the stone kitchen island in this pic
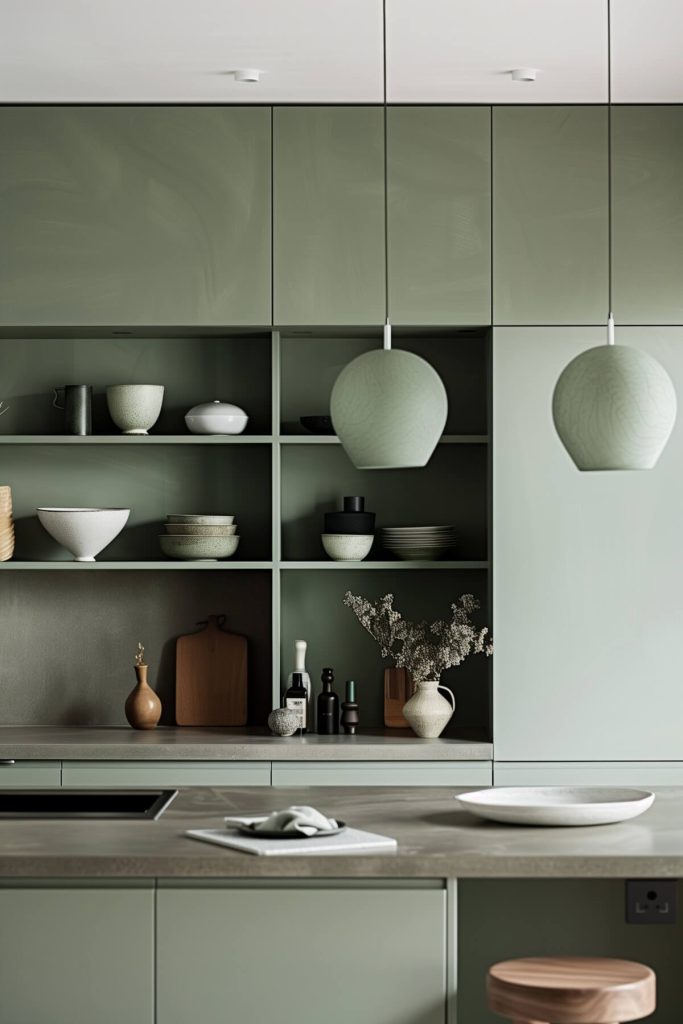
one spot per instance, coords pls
(131, 920)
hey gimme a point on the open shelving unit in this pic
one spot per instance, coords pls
(277, 480)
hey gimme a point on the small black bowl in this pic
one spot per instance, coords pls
(317, 424)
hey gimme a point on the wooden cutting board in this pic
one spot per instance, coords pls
(211, 676)
(398, 687)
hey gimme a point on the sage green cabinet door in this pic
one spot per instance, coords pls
(647, 195)
(30, 774)
(77, 956)
(439, 170)
(328, 215)
(135, 215)
(93, 774)
(587, 582)
(550, 242)
(382, 773)
(297, 955)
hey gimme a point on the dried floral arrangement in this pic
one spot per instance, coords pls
(425, 649)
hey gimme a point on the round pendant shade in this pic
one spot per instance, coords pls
(389, 407)
(614, 407)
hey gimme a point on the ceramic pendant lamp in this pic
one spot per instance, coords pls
(614, 407)
(388, 406)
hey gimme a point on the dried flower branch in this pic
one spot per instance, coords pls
(425, 649)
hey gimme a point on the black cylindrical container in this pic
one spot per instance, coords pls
(77, 399)
(354, 518)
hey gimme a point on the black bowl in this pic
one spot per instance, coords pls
(317, 424)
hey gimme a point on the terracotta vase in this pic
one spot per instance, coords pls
(143, 707)
(427, 712)
(398, 688)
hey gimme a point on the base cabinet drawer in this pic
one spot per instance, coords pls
(588, 773)
(381, 773)
(30, 774)
(368, 957)
(95, 774)
(77, 955)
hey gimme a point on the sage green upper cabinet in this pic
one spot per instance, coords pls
(329, 215)
(135, 215)
(550, 185)
(439, 169)
(647, 214)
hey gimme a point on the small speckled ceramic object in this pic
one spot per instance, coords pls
(427, 712)
(201, 520)
(199, 548)
(195, 530)
(556, 806)
(283, 722)
(216, 418)
(347, 547)
(135, 408)
(83, 531)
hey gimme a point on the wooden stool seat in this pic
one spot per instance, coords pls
(571, 990)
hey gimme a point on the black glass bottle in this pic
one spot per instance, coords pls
(296, 698)
(328, 706)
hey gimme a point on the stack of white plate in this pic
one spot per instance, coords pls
(418, 542)
(199, 537)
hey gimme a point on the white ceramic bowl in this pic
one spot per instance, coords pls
(216, 418)
(192, 530)
(198, 548)
(202, 520)
(83, 531)
(347, 547)
(135, 408)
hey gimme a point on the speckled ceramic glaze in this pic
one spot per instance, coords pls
(83, 531)
(283, 722)
(347, 547)
(427, 712)
(198, 547)
(135, 408)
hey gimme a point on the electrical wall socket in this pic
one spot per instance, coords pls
(651, 901)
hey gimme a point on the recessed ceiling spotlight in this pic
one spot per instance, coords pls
(524, 74)
(247, 75)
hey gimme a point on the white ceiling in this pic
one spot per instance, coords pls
(326, 51)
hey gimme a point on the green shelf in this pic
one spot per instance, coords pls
(137, 439)
(386, 565)
(216, 566)
(332, 439)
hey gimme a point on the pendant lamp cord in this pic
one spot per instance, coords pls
(610, 318)
(387, 324)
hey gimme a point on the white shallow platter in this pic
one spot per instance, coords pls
(557, 805)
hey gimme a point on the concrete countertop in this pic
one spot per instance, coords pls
(208, 744)
(436, 840)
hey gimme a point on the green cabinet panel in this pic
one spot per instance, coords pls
(550, 242)
(647, 219)
(382, 773)
(328, 181)
(360, 955)
(439, 172)
(92, 774)
(588, 773)
(587, 584)
(135, 215)
(77, 956)
(30, 774)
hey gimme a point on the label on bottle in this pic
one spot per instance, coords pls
(298, 704)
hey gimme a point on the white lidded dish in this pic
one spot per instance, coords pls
(216, 418)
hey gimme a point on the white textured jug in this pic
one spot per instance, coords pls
(427, 712)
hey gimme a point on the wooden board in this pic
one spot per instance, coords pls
(398, 687)
(211, 677)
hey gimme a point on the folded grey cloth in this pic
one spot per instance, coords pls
(305, 820)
